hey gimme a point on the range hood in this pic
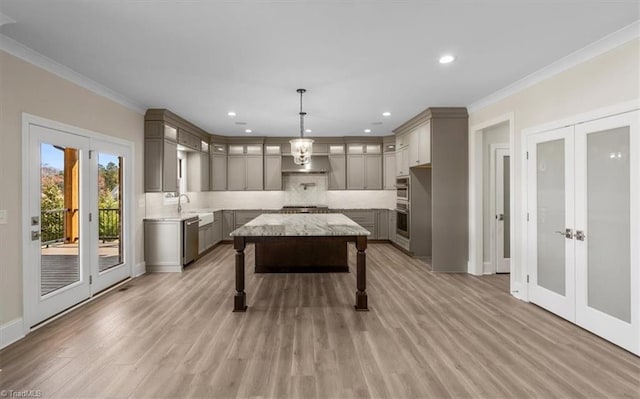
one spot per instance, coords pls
(318, 164)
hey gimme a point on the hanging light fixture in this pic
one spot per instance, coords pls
(301, 148)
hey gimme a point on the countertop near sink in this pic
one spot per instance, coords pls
(172, 218)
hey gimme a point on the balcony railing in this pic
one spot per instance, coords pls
(53, 225)
(109, 224)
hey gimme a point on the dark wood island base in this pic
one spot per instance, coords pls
(332, 257)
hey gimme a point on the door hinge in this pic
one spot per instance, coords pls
(527, 216)
(527, 278)
(527, 154)
(90, 216)
(90, 153)
(90, 279)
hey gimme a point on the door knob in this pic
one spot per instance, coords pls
(580, 236)
(500, 216)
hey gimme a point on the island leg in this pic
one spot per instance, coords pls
(240, 298)
(361, 277)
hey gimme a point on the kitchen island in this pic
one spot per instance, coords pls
(299, 243)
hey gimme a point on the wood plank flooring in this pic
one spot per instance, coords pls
(427, 335)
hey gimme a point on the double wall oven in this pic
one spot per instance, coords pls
(403, 207)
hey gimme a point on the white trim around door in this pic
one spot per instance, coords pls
(35, 126)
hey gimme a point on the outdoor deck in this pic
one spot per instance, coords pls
(60, 264)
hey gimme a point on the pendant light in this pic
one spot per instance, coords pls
(301, 148)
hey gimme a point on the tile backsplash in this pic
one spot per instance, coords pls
(303, 189)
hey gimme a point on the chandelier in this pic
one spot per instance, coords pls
(301, 148)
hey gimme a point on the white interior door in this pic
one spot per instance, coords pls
(503, 212)
(607, 228)
(551, 221)
(58, 252)
(111, 209)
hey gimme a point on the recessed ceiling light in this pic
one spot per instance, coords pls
(367, 130)
(231, 113)
(387, 113)
(308, 130)
(446, 59)
(248, 130)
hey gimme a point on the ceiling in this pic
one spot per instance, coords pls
(357, 59)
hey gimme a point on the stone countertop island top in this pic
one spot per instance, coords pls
(300, 225)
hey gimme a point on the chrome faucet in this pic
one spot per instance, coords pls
(179, 205)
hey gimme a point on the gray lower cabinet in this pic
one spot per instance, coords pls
(163, 245)
(365, 218)
(160, 165)
(273, 172)
(392, 225)
(228, 224)
(205, 237)
(337, 172)
(219, 172)
(382, 225)
(364, 172)
(217, 227)
(244, 172)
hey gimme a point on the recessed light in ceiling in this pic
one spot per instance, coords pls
(386, 113)
(308, 130)
(447, 58)
(367, 130)
(231, 113)
(248, 131)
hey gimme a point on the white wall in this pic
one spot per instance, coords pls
(492, 135)
(30, 89)
(607, 79)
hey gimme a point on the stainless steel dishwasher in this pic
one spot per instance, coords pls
(190, 240)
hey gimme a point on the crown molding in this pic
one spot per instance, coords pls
(19, 50)
(599, 47)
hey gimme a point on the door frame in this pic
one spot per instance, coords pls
(28, 304)
(476, 212)
(493, 200)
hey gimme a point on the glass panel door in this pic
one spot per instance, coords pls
(606, 182)
(550, 174)
(109, 211)
(56, 270)
(111, 259)
(503, 214)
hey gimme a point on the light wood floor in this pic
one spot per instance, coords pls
(427, 335)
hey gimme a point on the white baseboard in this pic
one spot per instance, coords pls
(164, 269)
(11, 332)
(139, 269)
(486, 268)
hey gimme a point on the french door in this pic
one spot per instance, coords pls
(584, 227)
(77, 220)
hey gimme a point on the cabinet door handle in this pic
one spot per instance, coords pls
(580, 236)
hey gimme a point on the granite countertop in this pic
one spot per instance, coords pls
(302, 224)
(172, 218)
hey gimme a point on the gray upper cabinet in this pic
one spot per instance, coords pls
(218, 172)
(355, 172)
(164, 132)
(337, 167)
(273, 172)
(160, 157)
(364, 167)
(197, 171)
(389, 170)
(245, 167)
(420, 145)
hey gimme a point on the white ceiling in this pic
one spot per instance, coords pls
(201, 59)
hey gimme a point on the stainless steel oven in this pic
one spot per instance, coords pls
(402, 188)
(402, 219)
